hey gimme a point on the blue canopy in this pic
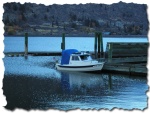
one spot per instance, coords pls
(66, 55)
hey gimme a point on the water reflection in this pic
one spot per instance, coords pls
(75, 90)
(65, 83)
(109, 82)
(94, 84)
(81, 83)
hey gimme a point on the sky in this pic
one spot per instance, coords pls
(48, 2)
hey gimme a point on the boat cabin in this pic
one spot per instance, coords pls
(79, 57)
(74, 56)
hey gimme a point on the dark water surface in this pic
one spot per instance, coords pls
(34, 83)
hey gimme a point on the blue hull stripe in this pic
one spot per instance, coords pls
(76, 66)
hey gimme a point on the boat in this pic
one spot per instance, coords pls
(73, 60)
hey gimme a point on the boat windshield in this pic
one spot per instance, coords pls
(85, 57)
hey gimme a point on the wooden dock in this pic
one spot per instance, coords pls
(128, 58)
(116, 49)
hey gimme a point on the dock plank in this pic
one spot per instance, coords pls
(127, 68)
(34, 53)
(128, 59)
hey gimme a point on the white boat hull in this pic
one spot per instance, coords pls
(92, 67)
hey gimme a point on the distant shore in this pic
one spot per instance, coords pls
(106, 36)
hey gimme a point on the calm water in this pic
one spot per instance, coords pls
(33, 83)
(15, 44)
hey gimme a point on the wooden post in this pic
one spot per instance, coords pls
(99, 42)
(102, 50)
(110, 52)
(26, 44)
(63, 42)
(95, 46)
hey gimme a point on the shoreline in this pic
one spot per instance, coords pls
(106, 36)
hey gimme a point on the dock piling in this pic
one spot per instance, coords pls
(26, 44)
(63, 42)
(110, 52)
(99, 42)
(95, 46)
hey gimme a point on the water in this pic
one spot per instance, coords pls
(34, 83)
(16, 44)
